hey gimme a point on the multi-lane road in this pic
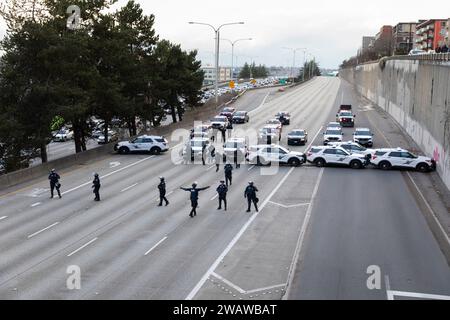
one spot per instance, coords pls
(316, 234)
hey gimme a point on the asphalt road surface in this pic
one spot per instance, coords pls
(128, 248)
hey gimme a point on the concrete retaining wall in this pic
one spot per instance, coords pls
(416, 93)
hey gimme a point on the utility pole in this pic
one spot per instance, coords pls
(232, 52)
(217, 39)
(294, 50)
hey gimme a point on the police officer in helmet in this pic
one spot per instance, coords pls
(162, 192)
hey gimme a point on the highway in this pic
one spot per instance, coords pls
(317, 232)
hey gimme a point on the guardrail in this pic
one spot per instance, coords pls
(422, 57)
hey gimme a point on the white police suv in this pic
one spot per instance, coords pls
(364, 137)
(152, 144)
(267, 154)
(386, 159)
(324, 155)
(332, 135)
(353, 147)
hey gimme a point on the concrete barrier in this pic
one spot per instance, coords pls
(416, 93)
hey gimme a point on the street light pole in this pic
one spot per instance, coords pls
(294, 50)
(232, 52)
(217, 38)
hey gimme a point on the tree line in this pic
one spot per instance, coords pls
(310, 69)
(109, 65)
(253, 71)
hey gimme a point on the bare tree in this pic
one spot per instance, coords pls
(17, 12)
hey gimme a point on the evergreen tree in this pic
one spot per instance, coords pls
(245, 72)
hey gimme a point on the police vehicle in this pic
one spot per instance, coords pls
(234, 145)
(269, 132)
(386, 159)
(197, 147)
(353, 147)
(346, 118)
(364, 137)
(324, 155)
(219, 122)
(268, 154)
(152, 144)
(332, 135)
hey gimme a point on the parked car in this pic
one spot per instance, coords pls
(229, 113)
(63, 135)
(284, 117)
(241, 117)
(386, 159)
(113, 136)
(297, 137)
(152, 144)
(417, 52)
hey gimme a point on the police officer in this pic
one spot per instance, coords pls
(54, 183)
(96, 186)
(250, 194)
(239, 158)
(162, 192)
(230, 128)
(228, 174)
(217, 160)
(223, 130)
(194, 197)
(222, 190)
(189, 155)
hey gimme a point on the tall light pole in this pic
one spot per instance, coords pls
(232, 52)
(217, 34)
(294, 51)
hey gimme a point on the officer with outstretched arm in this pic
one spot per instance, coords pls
(194, 191)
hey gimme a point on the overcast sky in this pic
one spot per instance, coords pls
(331, 30)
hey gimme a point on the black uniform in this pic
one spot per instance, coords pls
(54, 183)
(228, 174)
(217, 160)
(162, 193)
(250, 194)
(239, 158)
(230, 128)
(223, 130)
(222, 191)
(194, 198)
(189, 156)
(96, 186)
